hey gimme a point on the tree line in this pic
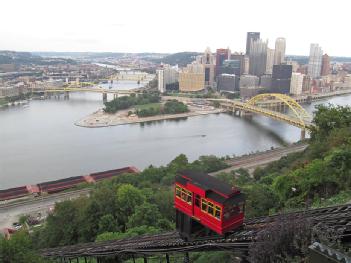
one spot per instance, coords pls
(125, 102)
(170, 107)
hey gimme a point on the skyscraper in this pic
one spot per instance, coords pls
(167, 75)
(241, 57)
(279, 55)
(208, 62)
(258, 57)
(281, 78)
(192, 78)
(325, 65)
(251, 36)
(296, 83)
(315, 61)
(270, 60)
(221, 55)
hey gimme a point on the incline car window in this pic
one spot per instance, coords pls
(211, 209)
(197, 200)
(230, 211)
(203, 205)
(184, 194)
(218, 212)
(178, 191)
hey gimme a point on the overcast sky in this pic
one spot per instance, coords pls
(172, 25)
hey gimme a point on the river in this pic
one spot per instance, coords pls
(40, 142)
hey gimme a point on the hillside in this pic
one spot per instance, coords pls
(181, 59)
(27, 58)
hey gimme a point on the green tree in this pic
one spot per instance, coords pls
(19, 249)
(127, 199)
(108, 223)
(132, 232)
(328, 118)
(146, 214)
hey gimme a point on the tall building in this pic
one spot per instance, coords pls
(266, 82)
(248, 81)
(246, 65)
(281, 78)
(222, 54)
(258, 57)
(315, 61)
(270, 61)
(251, 37)
(230, 66)
(192, 78)
(306, 85)
(226, 82)
(241, 57)
(208, 61)
(325, 65)
(295, 65)
(166, 76)
(279, 55)
(296, 83)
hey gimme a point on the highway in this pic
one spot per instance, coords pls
(11, 212)
(260, 159)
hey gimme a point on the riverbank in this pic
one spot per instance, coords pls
(261, 158)
(100, 119)
(15, 103)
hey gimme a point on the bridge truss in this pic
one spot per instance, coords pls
(299, 112)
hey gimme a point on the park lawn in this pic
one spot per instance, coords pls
(2, 101)
(148, 106)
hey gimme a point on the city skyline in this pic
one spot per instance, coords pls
(108, 26)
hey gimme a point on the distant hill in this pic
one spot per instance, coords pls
(304, 59)
(97, 55)
(27, 58)
(181, 58)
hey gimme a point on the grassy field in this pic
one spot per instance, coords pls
(148, 106)
(2, 101)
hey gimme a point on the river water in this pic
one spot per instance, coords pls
(40, 142)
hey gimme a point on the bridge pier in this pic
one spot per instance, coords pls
(115, 96)
(104, 97)
(47, 95)
(303, 134)
(66, 95)
(246, 114)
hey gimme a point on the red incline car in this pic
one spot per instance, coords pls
(205, 205)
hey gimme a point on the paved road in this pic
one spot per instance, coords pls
(10, 213)
(253, 161)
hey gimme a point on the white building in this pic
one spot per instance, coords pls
(315, 61)
(294, 64)
(9, 91)
(270, 60)
(296, 83)
(167, 75)
(279, 55)
(208, 60)
(246, 65)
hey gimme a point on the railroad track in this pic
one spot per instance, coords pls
(338, 217)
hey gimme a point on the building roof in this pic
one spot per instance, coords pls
(207, 182)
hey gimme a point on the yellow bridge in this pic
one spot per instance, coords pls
(260, 105)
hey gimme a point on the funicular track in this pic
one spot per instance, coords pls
(337, 217)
